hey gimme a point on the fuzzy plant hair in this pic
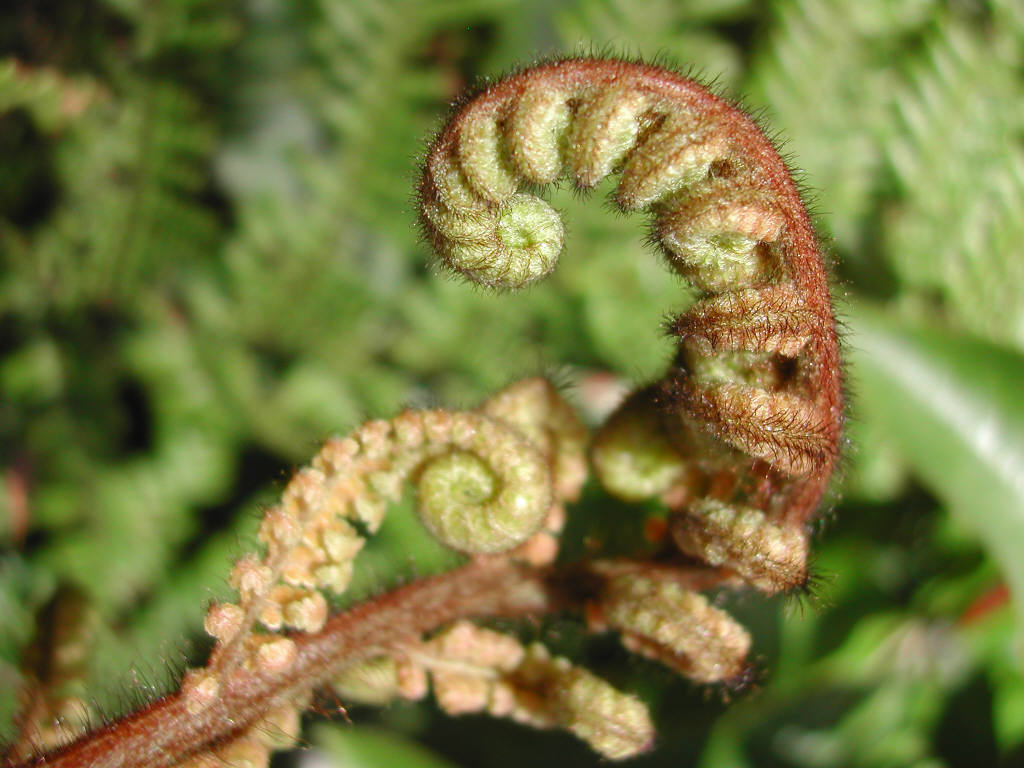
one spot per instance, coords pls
(736, 442)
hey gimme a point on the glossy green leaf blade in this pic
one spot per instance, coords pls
(955, 408)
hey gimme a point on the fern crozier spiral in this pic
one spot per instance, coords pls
(748, 416)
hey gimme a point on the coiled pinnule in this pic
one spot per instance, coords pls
(747, 419)
(769, 556)
(489, 493)
(589, 119)
(675, 626)
(483, 486)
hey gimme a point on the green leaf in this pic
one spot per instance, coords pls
(953, 406)
(369, 748)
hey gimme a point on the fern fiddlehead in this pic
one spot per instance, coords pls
(738, 438)
(746, 422)
(483, 487)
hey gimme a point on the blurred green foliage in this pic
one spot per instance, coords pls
(209, 262)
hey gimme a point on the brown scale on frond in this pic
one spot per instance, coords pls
(742, 433)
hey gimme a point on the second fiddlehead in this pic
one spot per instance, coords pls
(744, 427)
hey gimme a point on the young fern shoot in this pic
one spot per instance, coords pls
(738, 439)
(741, 434)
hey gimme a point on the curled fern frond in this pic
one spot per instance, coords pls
(738, 439)
(748, 418)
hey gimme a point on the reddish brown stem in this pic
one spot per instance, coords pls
(164, 733)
